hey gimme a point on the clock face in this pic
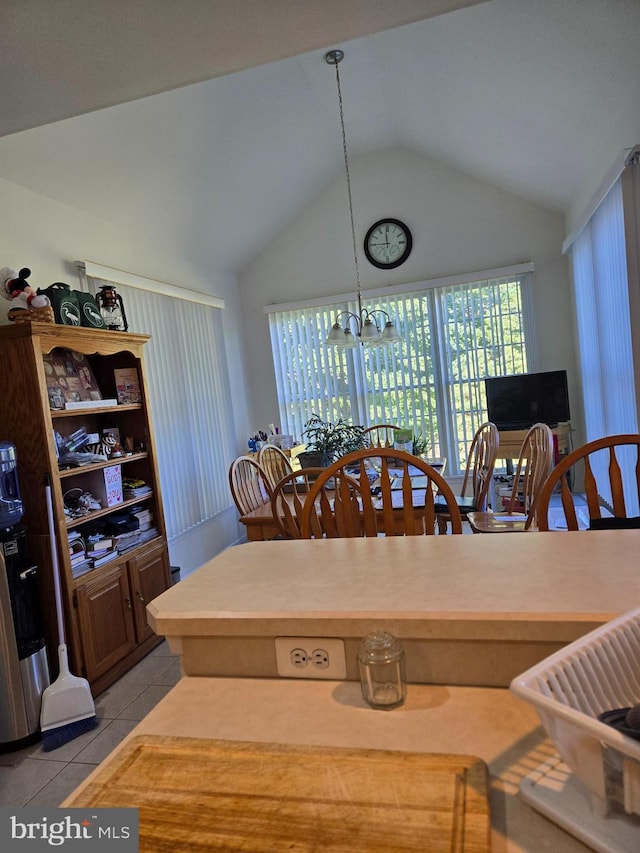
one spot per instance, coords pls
(388, 243)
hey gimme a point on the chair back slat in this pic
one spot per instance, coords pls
(617, 489)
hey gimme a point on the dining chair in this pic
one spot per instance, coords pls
(380, 435)
(481, 460)
(274, 463)
(534, 465)
(249, 484)
(398, 507)
(598, 465)
(288, 498)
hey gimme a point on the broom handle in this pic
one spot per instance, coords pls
(54, 560)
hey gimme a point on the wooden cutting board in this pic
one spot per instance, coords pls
(205, 795)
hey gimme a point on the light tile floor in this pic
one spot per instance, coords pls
(31, 777)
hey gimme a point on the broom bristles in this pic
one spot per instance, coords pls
(53, 738)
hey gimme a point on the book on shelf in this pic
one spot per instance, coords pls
(127, 385)
(104, 558)
(81, 568)
(99, 545)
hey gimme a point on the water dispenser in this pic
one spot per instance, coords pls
(23, 655)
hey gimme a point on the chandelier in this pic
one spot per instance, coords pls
(367, 329)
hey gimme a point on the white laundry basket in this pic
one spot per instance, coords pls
(569, 689)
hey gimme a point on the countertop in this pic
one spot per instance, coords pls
(489, 723)
(552, 578)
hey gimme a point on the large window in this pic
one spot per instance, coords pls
(453, 335)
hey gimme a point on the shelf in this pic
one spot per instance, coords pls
(74, 413)
(130, 553)
(99, 513)
(97, 466)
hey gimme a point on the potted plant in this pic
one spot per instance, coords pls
(421, 444)
(327, 441)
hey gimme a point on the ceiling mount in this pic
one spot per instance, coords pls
(334, 57)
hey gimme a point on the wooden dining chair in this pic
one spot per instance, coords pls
(249, 484)
(534, 465)
(380, 435)
(274, 463)
(596, 465)
(346, 511)
(288, 498)
(481, 460)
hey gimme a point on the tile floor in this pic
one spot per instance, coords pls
(31, 777)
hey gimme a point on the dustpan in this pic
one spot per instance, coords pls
(67, 708)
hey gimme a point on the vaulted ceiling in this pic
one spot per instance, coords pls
(228, 109)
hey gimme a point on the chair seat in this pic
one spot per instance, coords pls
(501, 522)
(465, 504)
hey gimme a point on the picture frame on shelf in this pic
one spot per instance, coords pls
(127, 385)
(69, 379)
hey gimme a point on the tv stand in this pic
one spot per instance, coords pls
(511, 441)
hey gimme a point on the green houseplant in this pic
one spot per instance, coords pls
(328, 441)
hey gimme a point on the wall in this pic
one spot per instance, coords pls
(48, 237)
(459, 225)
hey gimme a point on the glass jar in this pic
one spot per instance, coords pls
(381, 665)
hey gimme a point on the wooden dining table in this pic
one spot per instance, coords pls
(262, 526)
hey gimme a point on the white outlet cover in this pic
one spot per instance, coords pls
(336, 671)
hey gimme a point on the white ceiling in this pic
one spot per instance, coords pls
(536, 96)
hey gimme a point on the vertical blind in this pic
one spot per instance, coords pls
(452, 337)
(604, 330)
(190, 402)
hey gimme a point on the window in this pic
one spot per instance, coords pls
(454, 333)
(190, 397)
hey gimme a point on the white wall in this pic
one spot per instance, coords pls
(459, 225)
(48, 237)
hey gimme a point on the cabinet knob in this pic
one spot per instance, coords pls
(128, 600)
(140, 596)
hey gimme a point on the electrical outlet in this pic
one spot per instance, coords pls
(311, 657)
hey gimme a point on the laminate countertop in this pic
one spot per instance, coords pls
(491, 724)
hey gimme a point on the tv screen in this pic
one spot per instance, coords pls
(519, 401)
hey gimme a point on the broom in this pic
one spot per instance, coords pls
(67, 705)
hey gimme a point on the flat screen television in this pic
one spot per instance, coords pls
(519, 401)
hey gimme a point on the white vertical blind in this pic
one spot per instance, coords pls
(190, 402)
(604, 330)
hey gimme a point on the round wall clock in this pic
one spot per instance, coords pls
(388, 243)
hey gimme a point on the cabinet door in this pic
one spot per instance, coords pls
(149, 575)
(106, 620)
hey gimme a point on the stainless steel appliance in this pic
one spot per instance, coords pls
(24, 672)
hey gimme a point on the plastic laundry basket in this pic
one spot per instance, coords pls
(569, 689)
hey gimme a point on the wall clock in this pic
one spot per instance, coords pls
(388, 243)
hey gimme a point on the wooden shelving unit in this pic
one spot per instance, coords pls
(105, 608)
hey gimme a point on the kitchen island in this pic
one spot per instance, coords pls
(471, 611)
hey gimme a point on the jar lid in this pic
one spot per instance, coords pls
(379, 646)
